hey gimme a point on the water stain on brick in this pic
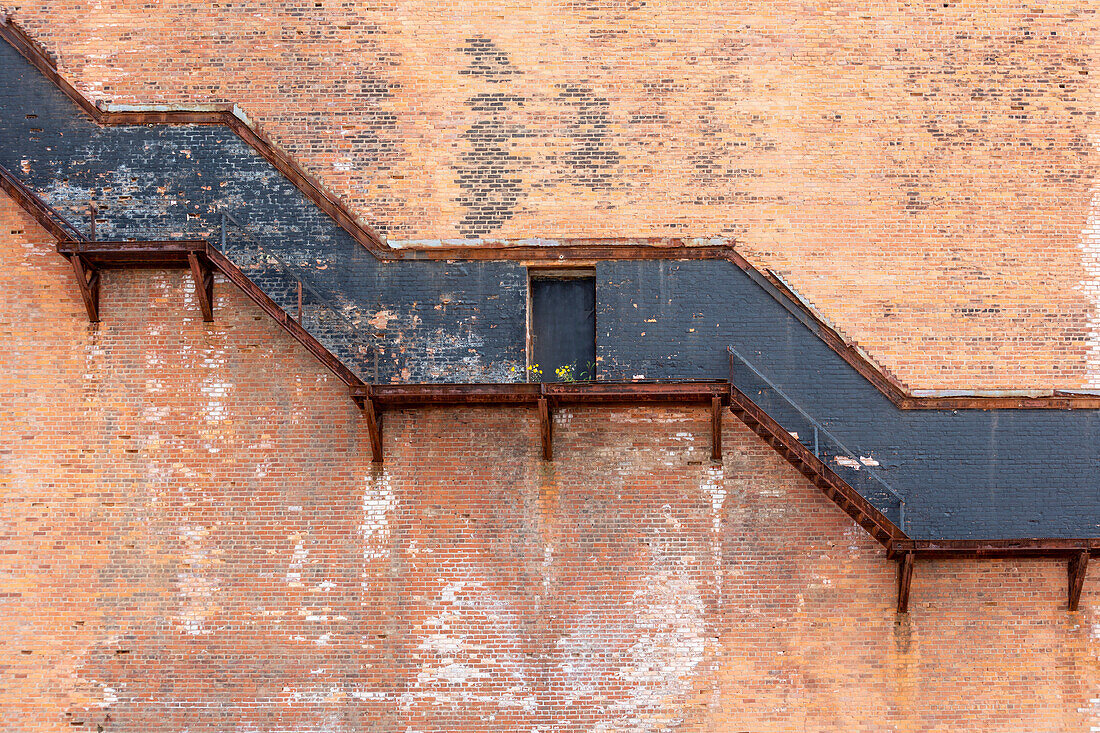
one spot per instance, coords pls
(487, 60)
(489, 172)
(591, 161)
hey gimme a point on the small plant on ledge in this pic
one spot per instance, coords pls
(564, 373)
(570, 373)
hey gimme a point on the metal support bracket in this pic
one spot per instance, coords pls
(374, 427)
(203, 275)
(716, 428)
(905, 580)
(87, 279)
(545, 428)
(1078, 566)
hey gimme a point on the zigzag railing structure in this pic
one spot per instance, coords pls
(765, 387)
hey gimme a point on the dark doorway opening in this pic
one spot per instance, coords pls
(563, 328)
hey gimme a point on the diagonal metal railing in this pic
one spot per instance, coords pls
(53, 220)
(826, 446)
(299, 294)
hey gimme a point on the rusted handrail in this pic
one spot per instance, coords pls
(821, 432)
(46, 215)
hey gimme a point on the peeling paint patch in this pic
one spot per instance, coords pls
(381, 319)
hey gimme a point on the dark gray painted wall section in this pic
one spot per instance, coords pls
(443, 321)
(971, 474)
(962, 474)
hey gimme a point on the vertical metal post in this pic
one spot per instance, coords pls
(222, 238)
(817, 450)
(299, 301)
(92, 213)
(905, 581)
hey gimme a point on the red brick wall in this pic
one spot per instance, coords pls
(193, 538)
(923, 172)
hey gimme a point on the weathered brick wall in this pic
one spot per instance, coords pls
(924, 172)
(194, 539)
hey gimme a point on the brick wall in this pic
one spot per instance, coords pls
(194, 539)
(923, 172)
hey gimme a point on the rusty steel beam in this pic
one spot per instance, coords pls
(683, 392)
(716, 428)
(672, 391)
(577, 250)
(1078, 567)
(1053, 547)
(546, 429)
(203, 275)
(836, 489)
(374, 426)
(87, 280)
(905, 580)
(109, 254)
(1057, 401)
(449, 394)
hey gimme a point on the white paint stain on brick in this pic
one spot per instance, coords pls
(110, 694)
(213, 387)
(197, 587)
(1093, 710)
(471, 651)
(1090, 259)
(547, 566)
(214, 392)
(379, 503)
(670, 642)
(110, 697)
(297, 562)
(714, 486)
(661, 631)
